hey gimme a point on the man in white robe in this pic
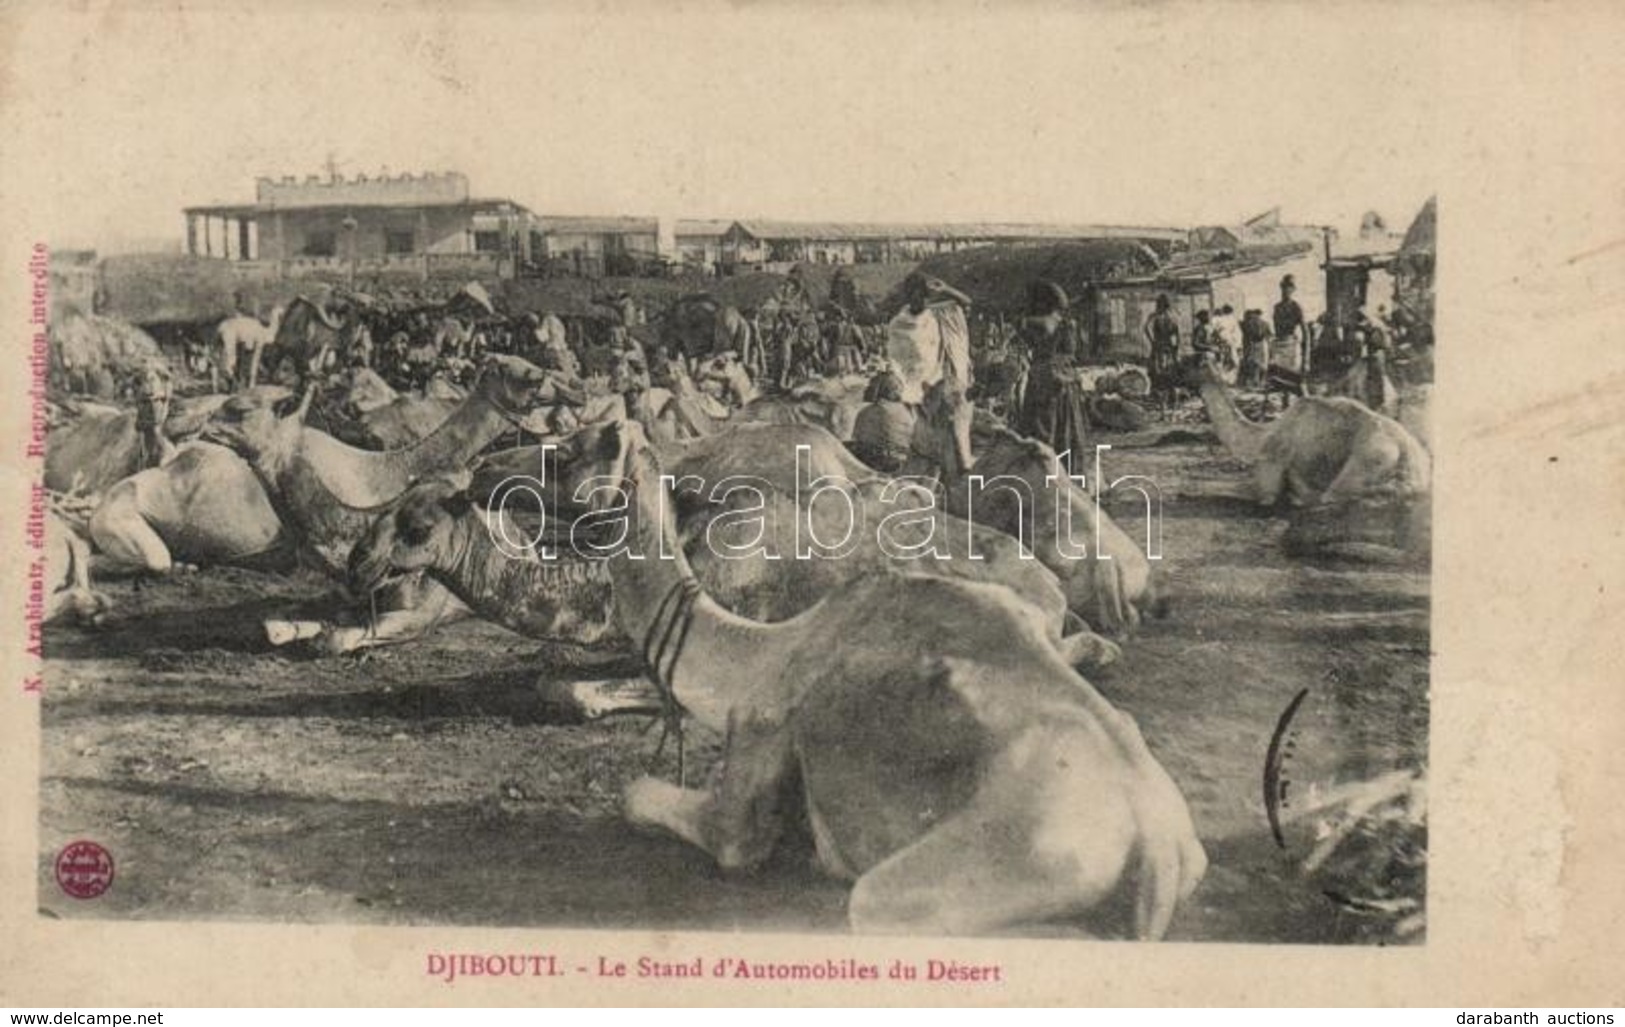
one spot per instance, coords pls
(929, 339)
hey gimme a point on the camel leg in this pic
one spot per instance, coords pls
(124, 538)
(1370, 466)
(986, 867)
(1053, 831)
(1270, 477)
(228, 358)
(254, 365)
(738, 820)
(409, 614)
(392, 628)
(1089, 651)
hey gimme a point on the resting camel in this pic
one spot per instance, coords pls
(104, 444)
(327, 493)
(829, 403)
(675, 408)
(369, 412)
(242, 333)
(189, 414)
(729, 542)
(1106, 574)
(204, 507)
(942, 752)
(1320, 451)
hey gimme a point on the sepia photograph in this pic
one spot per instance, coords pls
(743, 473)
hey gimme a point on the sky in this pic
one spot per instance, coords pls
(1158, 114)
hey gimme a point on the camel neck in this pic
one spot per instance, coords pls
(705, 654)
(472, 426)
(1239, 435)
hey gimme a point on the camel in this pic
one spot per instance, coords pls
(327, 493)
(727, 370)
(309, 338)
(373, 415)
(675, 406)
(239, 333)
(104, 444)
(204, 507)
(1107, 576)
(943, 754)
(745, 543)
(1320, 451)
(829, 403)
(189, 414)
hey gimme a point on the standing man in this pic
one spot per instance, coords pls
(1054, 408)
(843, 291)
(1255, 349)
(1291, 330)
(1162, 333)
(929, 339)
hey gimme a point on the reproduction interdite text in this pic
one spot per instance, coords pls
(39, 309)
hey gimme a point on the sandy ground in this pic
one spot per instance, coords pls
(425, 784)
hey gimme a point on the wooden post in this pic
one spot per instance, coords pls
(242, 239)
(191, 235)
(208, 244)
(421, 243)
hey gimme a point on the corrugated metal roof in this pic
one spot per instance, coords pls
(599, 225)
(990, 230)
(248, 210)
(696, 226)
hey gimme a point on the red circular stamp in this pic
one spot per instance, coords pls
(84, 870)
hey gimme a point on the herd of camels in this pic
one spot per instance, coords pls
(928, 720)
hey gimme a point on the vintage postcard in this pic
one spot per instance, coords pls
(811, 503)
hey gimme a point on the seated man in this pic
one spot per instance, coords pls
(884, 429)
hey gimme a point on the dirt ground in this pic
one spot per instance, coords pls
(424, 783)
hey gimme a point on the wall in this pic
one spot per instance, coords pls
(315, 190)
(699, 249)
(437, 231)
(1113, 318)
(599, 244)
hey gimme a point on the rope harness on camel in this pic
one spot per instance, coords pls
(676, 613)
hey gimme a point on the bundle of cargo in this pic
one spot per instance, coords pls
(90, 354)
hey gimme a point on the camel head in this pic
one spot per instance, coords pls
(254, 425)
(517, 386)
(942, 431)
(366, 392)
(416, 531)
(668, 372)
(593, 454)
